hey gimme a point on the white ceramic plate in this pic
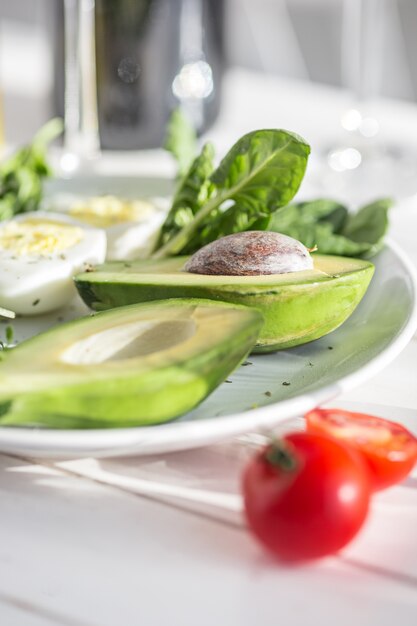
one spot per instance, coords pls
(269, 389)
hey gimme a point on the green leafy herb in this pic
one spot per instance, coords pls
(369, 225)
(9, 334)
(329, 226)
(5, 407)
(21, 174)
(193, 191)
(181, 141)
(261, 173)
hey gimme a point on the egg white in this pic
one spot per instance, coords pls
(126, 240)
(33, 283)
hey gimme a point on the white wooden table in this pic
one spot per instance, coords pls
(75, 551)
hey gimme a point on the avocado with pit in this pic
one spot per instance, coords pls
(297, 307)
(131, 366)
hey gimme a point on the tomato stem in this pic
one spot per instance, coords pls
(281, 455)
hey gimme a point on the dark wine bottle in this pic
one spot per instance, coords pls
(152, 56)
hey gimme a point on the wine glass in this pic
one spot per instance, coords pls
(81, 140)
(362, 164)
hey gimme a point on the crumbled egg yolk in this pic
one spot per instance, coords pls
(105, 211)
(41, 237)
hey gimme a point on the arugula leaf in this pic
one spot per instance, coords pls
(328, 225)
(21, 174)
(181, 140)
(261, 173)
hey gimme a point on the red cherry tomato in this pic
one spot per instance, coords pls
(389, 449)
(306, 496)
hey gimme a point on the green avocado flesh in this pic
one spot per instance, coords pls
(297, 307)
(136, 365)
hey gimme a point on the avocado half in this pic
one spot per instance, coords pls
(131, 366)
(297, 307)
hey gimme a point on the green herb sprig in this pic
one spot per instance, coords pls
(329, 225)
(261, 173)
(21, 174)
(252, 189)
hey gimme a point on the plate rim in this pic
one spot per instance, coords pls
(173, 436)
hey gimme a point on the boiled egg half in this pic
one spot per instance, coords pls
(131, 226)
(39, 254)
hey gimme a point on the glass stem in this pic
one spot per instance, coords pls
(81, 127)
(362, 36)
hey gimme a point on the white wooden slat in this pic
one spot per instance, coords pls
(103, 557)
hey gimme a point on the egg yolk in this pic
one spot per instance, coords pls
(105, 211)
(41, 237)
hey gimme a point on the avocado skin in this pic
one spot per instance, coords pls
(153, 397)
(293, 314)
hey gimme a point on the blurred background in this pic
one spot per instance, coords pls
(298, 40)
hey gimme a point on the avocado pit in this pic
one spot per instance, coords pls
(250, 253)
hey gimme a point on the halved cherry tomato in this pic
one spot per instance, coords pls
(389, 449)
(306, 495)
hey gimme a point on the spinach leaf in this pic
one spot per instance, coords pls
(369, 225)
(313, 223)
(328, 225)
(327, 241)
(222, 223)
(193, 191)
(261, 173)
(263, 170)
(181, 141)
